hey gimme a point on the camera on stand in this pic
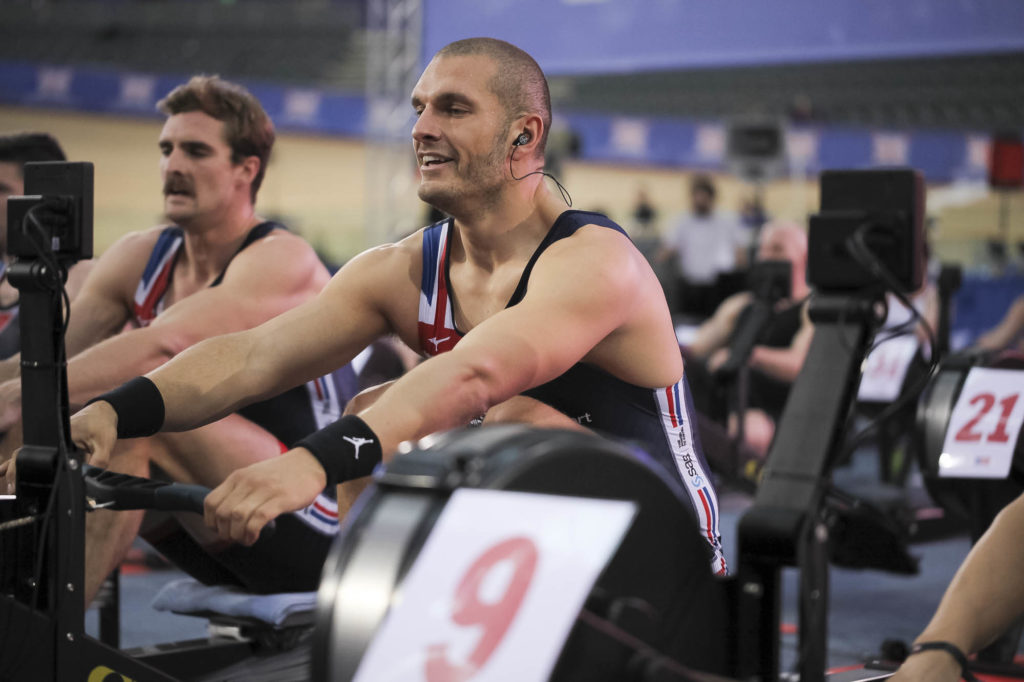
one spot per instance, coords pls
(882, 210)
(55, 215)
(48, 229)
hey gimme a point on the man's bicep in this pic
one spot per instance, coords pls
(322, 334)
(93, 318)
(260, 284)
(562, 318)
(101, 306)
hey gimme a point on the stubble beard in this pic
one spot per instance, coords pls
(480, 185)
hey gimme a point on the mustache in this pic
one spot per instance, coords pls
(178, 185)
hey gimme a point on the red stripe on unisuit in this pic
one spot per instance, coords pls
(671, 406)
(324, 510)
(707, 512)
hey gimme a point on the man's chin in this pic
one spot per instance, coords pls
(176, 213)
(178, 217)
(438, 198)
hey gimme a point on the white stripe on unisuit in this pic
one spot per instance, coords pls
(680, 437)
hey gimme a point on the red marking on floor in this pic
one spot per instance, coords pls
(134, 569)
(843, 669)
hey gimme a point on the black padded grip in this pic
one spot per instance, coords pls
(124, 491)
(180, 497)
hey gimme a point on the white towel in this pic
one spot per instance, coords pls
(190, 596)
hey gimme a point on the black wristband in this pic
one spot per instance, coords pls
(951, 649)
(139, 407)
(346, 449)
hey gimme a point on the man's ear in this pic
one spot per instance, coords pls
(250, 166)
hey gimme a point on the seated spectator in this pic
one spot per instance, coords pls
(777, 357)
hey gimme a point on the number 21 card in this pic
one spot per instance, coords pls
(985, 425)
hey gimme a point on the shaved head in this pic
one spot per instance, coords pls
(518, 82)
(786, 240)
(783, 240)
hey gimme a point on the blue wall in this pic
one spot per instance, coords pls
(603, 36)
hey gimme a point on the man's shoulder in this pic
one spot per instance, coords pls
(406, 252)
(386, 262)
(595, 247)
(273, 235)
(274, 257)
(136, 244)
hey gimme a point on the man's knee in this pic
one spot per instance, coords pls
(524, 410)
(133, 456)
(367, 397)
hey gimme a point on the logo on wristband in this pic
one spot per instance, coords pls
(357, 442)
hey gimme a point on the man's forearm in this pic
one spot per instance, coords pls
(987, 593)
(778, 363)
(436, 395)
(218, 376)
(110, 363)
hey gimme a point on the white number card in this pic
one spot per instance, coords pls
(886, 368)
(496, 589)
(985, 425)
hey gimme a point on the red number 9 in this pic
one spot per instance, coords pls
(495, 617)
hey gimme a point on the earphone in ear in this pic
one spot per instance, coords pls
(522, 139)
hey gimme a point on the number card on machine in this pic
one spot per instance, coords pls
(496, 589)
(985, 425)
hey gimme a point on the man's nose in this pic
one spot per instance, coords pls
(425, 127)
(173, 160)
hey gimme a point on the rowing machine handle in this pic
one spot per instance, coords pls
(124, 491)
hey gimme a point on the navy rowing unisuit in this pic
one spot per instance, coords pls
(659, 419)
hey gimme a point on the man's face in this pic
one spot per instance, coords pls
(195, 165)
(702, 201)
(779, 244)
(11, 185)
(460, 133)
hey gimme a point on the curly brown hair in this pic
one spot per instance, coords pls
(247, 128)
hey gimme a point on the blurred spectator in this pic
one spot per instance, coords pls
(644, 213)
(752, 213)
(801, 109)
(777, 356)
(1009, 333)
(704, 245)
(644, 232)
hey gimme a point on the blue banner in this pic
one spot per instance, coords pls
(673, 142)
(117, 92)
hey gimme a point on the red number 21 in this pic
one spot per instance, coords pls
(987, 400)
(494, 617)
